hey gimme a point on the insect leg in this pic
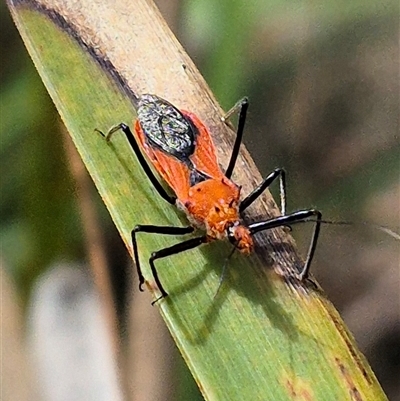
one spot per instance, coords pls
(166, 230)
(134, 145)
(241, 105)
(252, 196)
(293, 218)
(172, 250)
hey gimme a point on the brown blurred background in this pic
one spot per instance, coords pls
(323, 81)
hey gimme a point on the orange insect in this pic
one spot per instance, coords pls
(180, 148)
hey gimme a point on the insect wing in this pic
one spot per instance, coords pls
(166, 128)
(177, 143)
(173, 171)
(204, 157)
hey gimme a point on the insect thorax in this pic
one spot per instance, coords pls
(213, 205)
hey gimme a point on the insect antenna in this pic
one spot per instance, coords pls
(386, 230)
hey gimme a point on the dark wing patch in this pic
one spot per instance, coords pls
(166, 128)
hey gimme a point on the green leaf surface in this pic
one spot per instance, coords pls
(258, 338)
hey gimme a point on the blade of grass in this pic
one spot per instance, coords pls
(260, 338)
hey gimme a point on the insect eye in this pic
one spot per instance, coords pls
(217, 209)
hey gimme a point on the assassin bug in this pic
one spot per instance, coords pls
(181, 150)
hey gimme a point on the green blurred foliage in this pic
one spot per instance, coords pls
(38, 213)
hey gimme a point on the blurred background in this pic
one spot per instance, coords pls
(323, 82)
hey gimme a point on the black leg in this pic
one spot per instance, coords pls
(172, 250)
(252, 196)
(293, 218)
(241, 105)
(150, 229)
(132, 141)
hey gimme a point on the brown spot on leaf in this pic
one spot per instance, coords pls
(353, 390)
